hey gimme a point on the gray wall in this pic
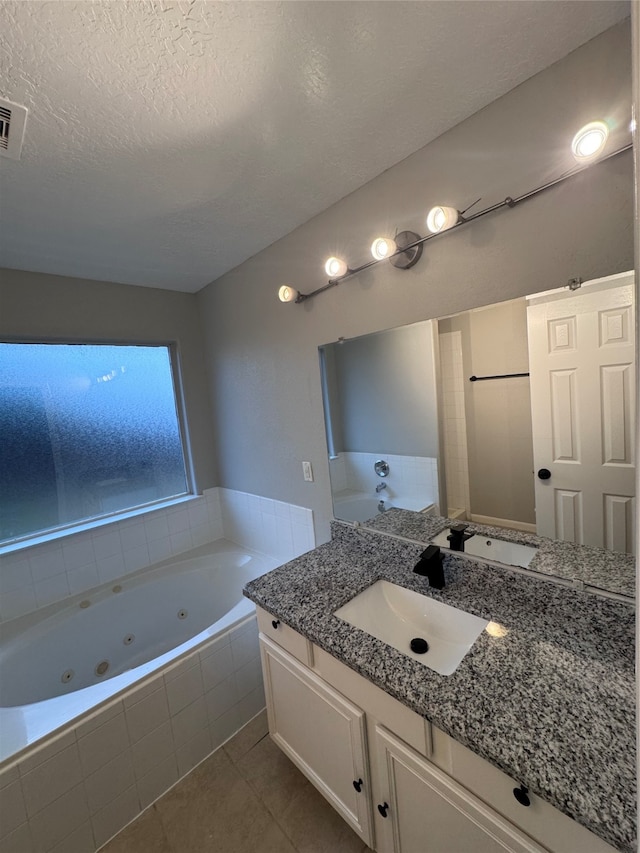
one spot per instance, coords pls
(262, 355)
(34, 305)
(386, 391)
(499, 433)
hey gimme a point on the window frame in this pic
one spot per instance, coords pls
(83, 525)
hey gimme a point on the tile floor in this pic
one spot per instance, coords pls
(247, 797)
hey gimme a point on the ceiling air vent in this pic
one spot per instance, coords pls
(12, 121)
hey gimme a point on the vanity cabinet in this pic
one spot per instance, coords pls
(321, 732)
(417, 789)
(422, 808)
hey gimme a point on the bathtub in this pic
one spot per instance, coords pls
(110, 697)
(67, 659)
(362, 507)
(358, 507)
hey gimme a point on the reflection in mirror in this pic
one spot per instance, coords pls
(380, 405)
(541, 441)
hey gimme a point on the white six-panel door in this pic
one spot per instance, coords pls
(582, 365)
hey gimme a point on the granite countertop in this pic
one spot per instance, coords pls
(551, 703)
(594, 567)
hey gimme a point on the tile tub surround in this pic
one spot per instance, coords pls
(551, 703)
(78, 806)
(411, 478)
(37, 576)
(84, 786)
(247, 797)
(595, 567)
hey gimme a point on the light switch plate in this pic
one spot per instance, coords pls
(307, 472)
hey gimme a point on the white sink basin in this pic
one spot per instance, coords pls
(397, 615)
(508, 553)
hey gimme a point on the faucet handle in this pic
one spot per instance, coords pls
(430, 552)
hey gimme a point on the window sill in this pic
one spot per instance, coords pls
(94, 524)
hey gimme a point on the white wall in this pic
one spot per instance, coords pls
(262, 355)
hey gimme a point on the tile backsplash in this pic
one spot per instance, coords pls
(37, 576)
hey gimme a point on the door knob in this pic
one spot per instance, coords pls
(383, 809)
(544, 474)
(357, 784)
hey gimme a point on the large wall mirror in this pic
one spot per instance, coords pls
(519, 415)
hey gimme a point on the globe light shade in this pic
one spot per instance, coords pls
(441, 218)
(383, 247)
(589, 141)
(287, 293)
(335, 267)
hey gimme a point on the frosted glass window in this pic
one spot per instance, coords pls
(85, 431)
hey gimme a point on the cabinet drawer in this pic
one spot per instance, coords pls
(542, 821)
(286, 637)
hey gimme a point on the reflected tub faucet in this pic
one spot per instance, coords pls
(380, 487)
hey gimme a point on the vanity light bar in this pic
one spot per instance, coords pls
(409, 248)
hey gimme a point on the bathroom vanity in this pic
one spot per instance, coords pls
(529, 745)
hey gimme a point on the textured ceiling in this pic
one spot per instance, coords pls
(168, 141)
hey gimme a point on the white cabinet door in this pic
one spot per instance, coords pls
(427, 812)
(321, 732)
(582, 363)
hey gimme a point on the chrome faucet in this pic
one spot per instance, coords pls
(380, 487)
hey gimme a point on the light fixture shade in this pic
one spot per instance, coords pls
(589, 141)
(335, 267)
(383, 247)
(441, 218)
(287, 293)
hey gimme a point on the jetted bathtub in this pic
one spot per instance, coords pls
(62, 662)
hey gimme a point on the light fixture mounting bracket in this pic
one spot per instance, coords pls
(405, 258)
